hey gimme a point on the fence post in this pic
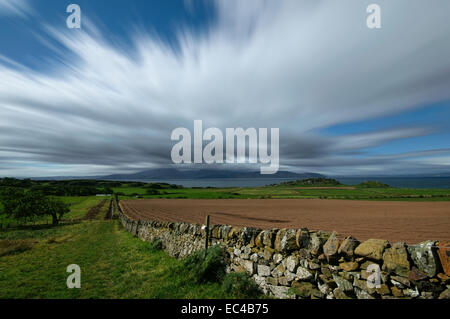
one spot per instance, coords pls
(207, 235)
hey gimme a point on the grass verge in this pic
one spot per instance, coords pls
(113, 264)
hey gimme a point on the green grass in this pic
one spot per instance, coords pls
(280, 192)
(130, 190)
(104, 210)
(79, 205)
(113, 264)
(3, 218)
(370, 190)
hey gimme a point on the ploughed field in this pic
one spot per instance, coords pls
(410, 222)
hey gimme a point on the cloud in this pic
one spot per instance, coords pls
(300, 66)
(14, 8)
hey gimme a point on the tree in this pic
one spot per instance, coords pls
(26, 206)
(56, 209)
(23, 206)
(7, 193)
(152, 192)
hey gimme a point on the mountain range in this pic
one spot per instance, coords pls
(173, 173)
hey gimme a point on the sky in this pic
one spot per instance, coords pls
(104, 99)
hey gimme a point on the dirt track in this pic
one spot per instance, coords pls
(94, 211)
(410, 222)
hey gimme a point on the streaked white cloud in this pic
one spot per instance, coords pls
(299, 65)
(14, 8)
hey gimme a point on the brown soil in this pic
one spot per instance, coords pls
(94, 211)
(109, 212)
(410, 222)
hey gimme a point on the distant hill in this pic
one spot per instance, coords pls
(373, 184)
(173, 173)
(316, 182)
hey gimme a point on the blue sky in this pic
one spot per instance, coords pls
(348, 100)
(115, 17)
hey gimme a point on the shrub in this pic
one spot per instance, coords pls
(199, 268)
(241, 286)
(373, 184)
(150, 247)
(152, 192)
(156, 244)
(312, 182)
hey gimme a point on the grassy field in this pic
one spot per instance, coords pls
(80, 204)
(281, 191)
(113, 264)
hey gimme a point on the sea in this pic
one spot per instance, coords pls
(400, 182)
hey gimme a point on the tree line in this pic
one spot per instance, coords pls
(59, 188)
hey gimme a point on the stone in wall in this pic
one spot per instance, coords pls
(330, 248)
(372, 249)
(277, 258)
(349, 266)
(263, 270)
(280, 292)
(285, 240)
(215, 231)
(304, 274)
(317, 239)
(278, 271)
(248, 235)
(302, 238)
(269, 237)
(259, 240)
(225, 230)
(343, 284)
(248, 265)
(396, 260)
(291, 263)
(306, 290)
(340, 294)
(424, 257)
(348, 246)
(268, 253)
(234, 233)
(445, 294)
(400, 282)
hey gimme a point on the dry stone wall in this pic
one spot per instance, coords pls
(313, 264)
